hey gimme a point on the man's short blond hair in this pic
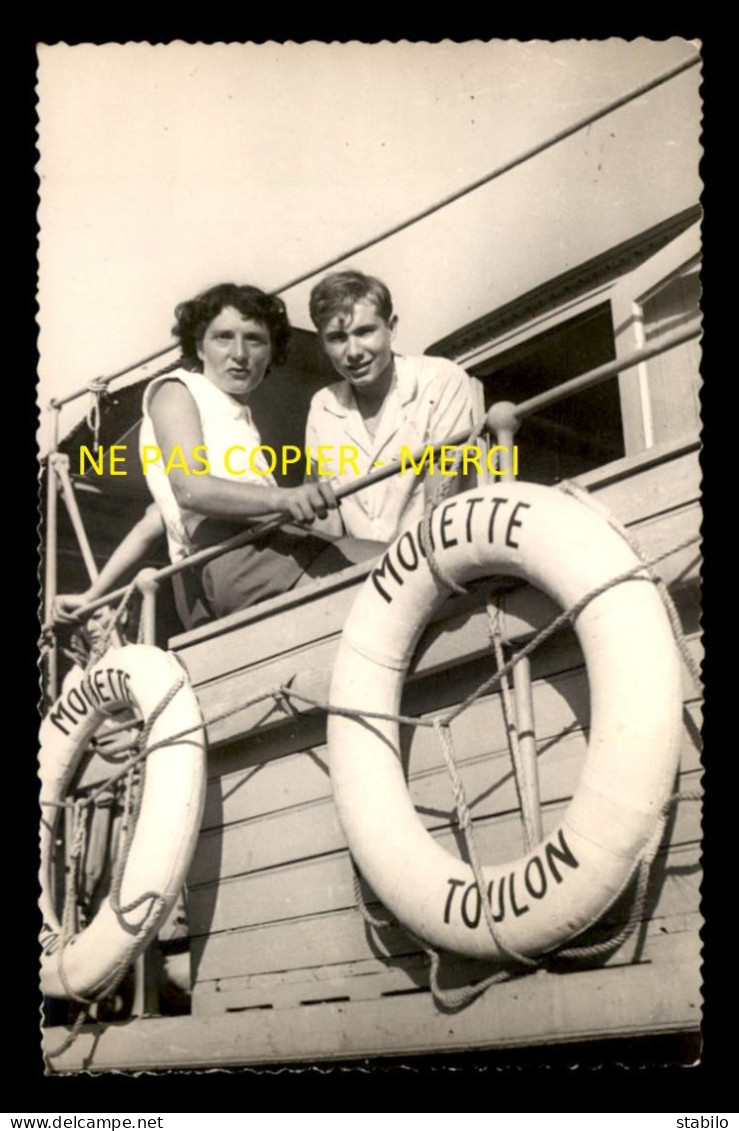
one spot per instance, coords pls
(338, 293)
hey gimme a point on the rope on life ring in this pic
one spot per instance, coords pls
(158, 852)
(543, 899)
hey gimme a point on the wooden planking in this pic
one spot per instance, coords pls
(658, 997)
(304, 614)
(470, 628)
(658, 535)
(312, 828)
(674, 376)
(370, 979)
(413, 968)
(462, 635)
(315, 886)
(464, 638)
(422, 696)
(324, 883)
(264, 786)
(319, 938)
(560, 705)
(315, 829)
(642, 493)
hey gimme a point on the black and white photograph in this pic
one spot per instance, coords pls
(370, 509)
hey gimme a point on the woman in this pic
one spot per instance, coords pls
(230, 337)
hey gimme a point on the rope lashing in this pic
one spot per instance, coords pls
(464, 818)
(79, 809)
(427, 548)
(361, 903)
(153, 897)
(72, 1036)
(113, 981)
(408, 720)
(494, 616)
(272, 693)
(453, 999)
(459, 997)
(642, 869)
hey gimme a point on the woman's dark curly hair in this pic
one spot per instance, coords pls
(195, 315)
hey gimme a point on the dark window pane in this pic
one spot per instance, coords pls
(583, 431)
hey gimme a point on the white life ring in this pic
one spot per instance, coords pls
(169, 817)
(543, 899)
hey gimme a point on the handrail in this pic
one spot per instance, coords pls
(450, 198)
(513, 413)
(610, 369)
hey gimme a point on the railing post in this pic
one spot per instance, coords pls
(61, 463)
(529, 769)
(504, 423)
(148, 584)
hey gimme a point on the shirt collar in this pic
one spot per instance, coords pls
(405, 387)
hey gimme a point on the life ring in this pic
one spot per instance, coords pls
(563, 885)
(169, 817)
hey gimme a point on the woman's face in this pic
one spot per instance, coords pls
(235, 352)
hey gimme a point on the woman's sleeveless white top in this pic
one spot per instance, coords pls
(225, 424)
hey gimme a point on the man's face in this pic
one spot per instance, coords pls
(359, 346)
(235, 352)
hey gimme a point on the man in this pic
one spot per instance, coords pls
(383, 403)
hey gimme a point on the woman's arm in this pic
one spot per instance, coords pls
(176, 421)
(131, 551)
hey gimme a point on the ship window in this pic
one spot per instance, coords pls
(673, 387)
(579, 433)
